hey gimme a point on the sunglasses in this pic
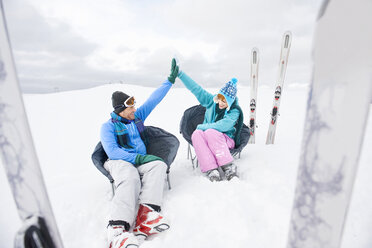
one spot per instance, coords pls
(130, 102)
(221, 98)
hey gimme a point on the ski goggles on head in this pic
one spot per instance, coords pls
(221, 98)
(130, 102)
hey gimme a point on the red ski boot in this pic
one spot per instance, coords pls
(149, 222)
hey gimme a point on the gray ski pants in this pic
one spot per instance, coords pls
(144, 184)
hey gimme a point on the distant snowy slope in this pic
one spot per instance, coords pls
(253, 211)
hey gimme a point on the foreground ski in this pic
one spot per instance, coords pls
(286, 44)
(337, 113)
(19, 158)
(253, 101)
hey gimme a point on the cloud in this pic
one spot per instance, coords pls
(47, 52)
(69, 44)
(29, 31)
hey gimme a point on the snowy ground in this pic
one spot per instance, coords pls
(251, 212)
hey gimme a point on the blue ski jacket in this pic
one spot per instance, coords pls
(109, 139)
(206, 99)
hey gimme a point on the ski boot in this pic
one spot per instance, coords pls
(149, 222)
(118, 237)
(214, 175)
(230, 171)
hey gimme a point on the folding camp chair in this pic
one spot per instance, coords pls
(160, 143)
(194, 116)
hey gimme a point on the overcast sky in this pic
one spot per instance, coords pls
(73, 44)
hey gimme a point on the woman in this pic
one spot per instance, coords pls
(220, 130)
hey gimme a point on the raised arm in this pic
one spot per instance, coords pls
(158, 95)
(204, 97)
(155, 98)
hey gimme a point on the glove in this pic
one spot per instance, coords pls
(143, 159)
(174, 71)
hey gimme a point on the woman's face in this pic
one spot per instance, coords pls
(222, 104)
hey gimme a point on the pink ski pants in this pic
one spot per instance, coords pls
(212, 148)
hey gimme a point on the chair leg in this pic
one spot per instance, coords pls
(169, 184)
(236, 154)
(195, 162)
(188, 151)
(113, 188)
(194, 159)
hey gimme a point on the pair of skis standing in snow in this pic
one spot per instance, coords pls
(284, 53)
(139, 177)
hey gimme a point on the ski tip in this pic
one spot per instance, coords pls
(255, 55)
(255, 49)
(287, 33)
(287, 38)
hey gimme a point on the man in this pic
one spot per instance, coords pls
(139, 177)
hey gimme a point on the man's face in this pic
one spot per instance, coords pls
(128, 113)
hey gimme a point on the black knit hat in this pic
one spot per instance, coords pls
(118, 98)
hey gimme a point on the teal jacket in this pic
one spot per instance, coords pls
(206, 99)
